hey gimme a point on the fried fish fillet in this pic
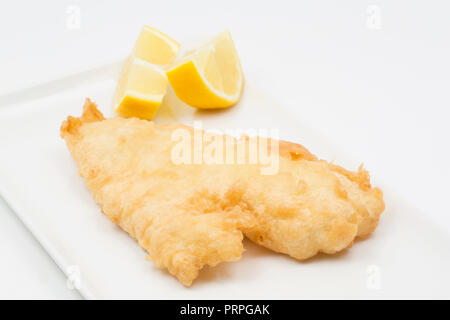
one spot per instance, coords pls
(187, 216)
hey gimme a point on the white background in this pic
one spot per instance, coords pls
(371, 76)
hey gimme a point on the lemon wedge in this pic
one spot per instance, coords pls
(143, 82)
(141, 89)
(209, 77)
(155, 47)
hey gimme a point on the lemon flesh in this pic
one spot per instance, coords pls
(155, 47)
(211, 76)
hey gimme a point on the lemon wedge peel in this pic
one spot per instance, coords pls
(190, 83)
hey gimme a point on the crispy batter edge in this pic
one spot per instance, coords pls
(295, 151)
(90, 114)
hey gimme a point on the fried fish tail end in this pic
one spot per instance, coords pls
(132, 179)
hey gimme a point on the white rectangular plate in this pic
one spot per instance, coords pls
(406, 257)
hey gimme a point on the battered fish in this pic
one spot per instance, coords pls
(187, 216)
